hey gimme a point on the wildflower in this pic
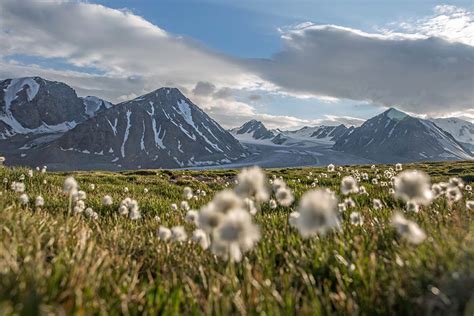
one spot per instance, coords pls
(2, 161)
(407, 229)
(187, 193)
(18, 187)
(413, 186)
(273, 204)
(70, 185)
(470, 205)
(293, 218)
(43, 170)
(30, 173)
(125, 190)
(145, 190)
(349, 202)
(412, 207)
(174, 207)
(356, 219)
(252, 183)
(318, 213)
(437, 190)
(90, 213)
(123, 210)
(250, 206)
(81, 195)
(178, 234)
(456, 182)
(92, 186)
(349, 185)
(184, 205)
(226, 200)
(398, 167)
(284, 196)
(209, 217)
(24, 199)
(235, 235)
(277, 184)
(39, 202)
(200, 237)
(468, 188)
(191, 217)
(454, 194)
(107, 200)
(375, 181)
(341, 207)
(135, 213)
(331, 168)
(78, 209)
(164, 233)
(377, 204)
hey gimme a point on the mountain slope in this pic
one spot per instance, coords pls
(160, 129)
(251, 131)
(395, 136)
(461, 130)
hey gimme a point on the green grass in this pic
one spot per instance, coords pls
(52, 263)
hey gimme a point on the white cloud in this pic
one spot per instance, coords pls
(412, 72)
(448, 22)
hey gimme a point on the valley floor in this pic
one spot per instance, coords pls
(54, 262)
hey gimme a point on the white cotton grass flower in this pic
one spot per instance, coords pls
(201, 238)
(92, 186)
(284, 196)
(44, 169)
(456, 182)
(377, 204)
(187, 193)
(70, 185)
(174, 207)
(226, 200)
(293, 218)
(468, 188)
(39, 201)
(437, 190)
(331, 168)
(18, 187)
(126, 189)
(412, 207)
(22, 177)
(250, 206)
(356, 219)
(107, 200)
(349, 185)
(341, 207)
(209, 218)
(184, 206)
(408, 229)
(375, 181)
(470, 205)
(363, 190)
(318, 213)
(191, 217)
(2, 161)
(24, 199)
(413, 186)
(277, 184)
(145, 190)
(252, 183)
(454, 194)
(135, 213)
(164, 233)
(89, 212)
(349, 202)
(235, 235)
(178, 234)
(398, 167)
(273, 204)
(30, 173)
(81, 195)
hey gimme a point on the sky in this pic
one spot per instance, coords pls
(286, 63)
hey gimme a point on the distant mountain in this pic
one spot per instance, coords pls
(329, 134)
(461, 130)
(160, 129)
(253, 130)
(394, 136)
(94, 105)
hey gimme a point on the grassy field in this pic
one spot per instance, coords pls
(52, 261)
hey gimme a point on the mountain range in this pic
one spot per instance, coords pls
(44, 122)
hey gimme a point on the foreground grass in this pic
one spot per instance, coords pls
(54, 263)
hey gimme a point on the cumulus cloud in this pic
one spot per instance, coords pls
(412, 72)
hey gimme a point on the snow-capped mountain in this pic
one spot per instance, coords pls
(160, 129)
(395, 136)
(461, 130)
(252, 131)
(94, 105)
(255, 132)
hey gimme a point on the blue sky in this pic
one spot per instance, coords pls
(256, 53)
